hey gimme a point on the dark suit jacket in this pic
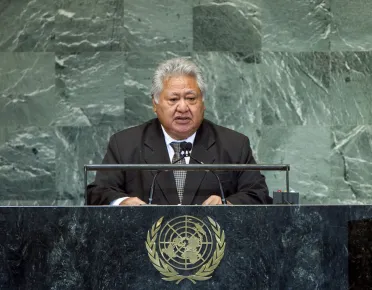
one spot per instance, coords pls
(145, 144)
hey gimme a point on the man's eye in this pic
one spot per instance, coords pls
(191, 99)
(173, 99)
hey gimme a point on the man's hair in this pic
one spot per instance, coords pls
(175, 67)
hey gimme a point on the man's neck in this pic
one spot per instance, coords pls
(170, 139)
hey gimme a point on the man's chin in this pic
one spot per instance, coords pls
(183, 132)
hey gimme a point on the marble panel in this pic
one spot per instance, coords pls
(27, 89)
(352, 24)
(296, 25)
(27, 165)
(90, 88)
(295, 88)
(85, 25)
(77, 146)
(351, 88)
(157, 25)
(53, 201)
(308, 152)
(351, 164)
(227, 25)
(27, 25)
(271, 149)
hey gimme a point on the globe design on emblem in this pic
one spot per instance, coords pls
(185, 242)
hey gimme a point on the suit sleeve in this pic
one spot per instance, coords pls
(108, 185)
(251, 185)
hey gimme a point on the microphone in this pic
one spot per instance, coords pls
(159, 171)
(186, 148)
(152, 186)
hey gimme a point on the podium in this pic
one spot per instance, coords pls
(258, 247)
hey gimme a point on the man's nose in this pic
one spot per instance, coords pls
(182, 105)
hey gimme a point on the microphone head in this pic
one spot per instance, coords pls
(188, 146)
(183, 146)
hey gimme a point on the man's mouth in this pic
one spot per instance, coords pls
(182, 119)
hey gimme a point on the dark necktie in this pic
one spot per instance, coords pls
(179, 175)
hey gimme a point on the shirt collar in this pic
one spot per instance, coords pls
(169, 139)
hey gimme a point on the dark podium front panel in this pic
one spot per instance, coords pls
(238, 247)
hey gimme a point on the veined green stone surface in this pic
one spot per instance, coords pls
(294, 76)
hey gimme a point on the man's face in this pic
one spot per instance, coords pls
(181, 108)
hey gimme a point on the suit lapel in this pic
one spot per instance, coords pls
(155, 152)
(204, 140)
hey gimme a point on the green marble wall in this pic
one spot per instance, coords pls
(295, 76)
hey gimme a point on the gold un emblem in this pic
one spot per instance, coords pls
(186, 248)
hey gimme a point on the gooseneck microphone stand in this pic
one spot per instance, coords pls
(186, 148)
(156, 175)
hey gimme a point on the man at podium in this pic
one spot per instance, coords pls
(178, 91)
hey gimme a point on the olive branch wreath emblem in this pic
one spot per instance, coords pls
(169, 273)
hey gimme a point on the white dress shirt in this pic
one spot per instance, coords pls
(168, 140)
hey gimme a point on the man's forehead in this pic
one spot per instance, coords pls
(184, 91)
